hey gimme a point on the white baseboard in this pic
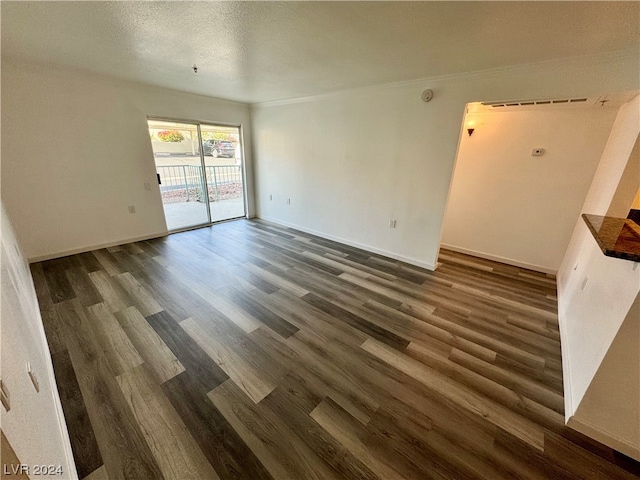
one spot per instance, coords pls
(368, 248)
(606, 438)
(90, 248)
(497, 258)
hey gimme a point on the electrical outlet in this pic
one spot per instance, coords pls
(147, 186)
(32, 376)
(392, 223)
(584, 283)
(132, 209)
(4, 393)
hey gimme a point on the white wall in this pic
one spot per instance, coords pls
(351, 161)
(505, 204)
(591, 317)
(76, 152)
(611, 404)
(628, 187)
(35, 424)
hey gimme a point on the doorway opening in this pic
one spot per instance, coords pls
(200, 172)
(522, 173)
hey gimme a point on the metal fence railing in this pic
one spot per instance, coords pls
(183, 183)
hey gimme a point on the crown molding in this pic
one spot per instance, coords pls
(616, 56)
(104, 78)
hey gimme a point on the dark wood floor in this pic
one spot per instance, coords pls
(251, 351)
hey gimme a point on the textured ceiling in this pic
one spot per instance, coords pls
(262, 51)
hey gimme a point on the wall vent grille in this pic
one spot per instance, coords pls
(528, 103)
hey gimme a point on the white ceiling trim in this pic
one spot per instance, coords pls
(100, 77)
(630, 55)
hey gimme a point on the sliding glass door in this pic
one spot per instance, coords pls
(200, 172)
(222, 150)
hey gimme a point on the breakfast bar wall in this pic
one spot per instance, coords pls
(599, 313)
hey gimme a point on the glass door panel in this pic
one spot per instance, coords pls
(178, 159)
(222, 150)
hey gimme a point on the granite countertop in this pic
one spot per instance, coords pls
(616, 237)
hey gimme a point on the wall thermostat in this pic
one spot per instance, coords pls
(537, 152)
(427, 95)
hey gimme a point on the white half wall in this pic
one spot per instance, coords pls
(591, 314)
(610, 409)
(76, 152)
(349, 162)
(35, 424)
(508, 205)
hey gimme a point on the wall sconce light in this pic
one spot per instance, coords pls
(471, 126)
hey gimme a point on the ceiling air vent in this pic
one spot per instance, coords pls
(529, 103)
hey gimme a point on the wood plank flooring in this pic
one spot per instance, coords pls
(251, 351)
